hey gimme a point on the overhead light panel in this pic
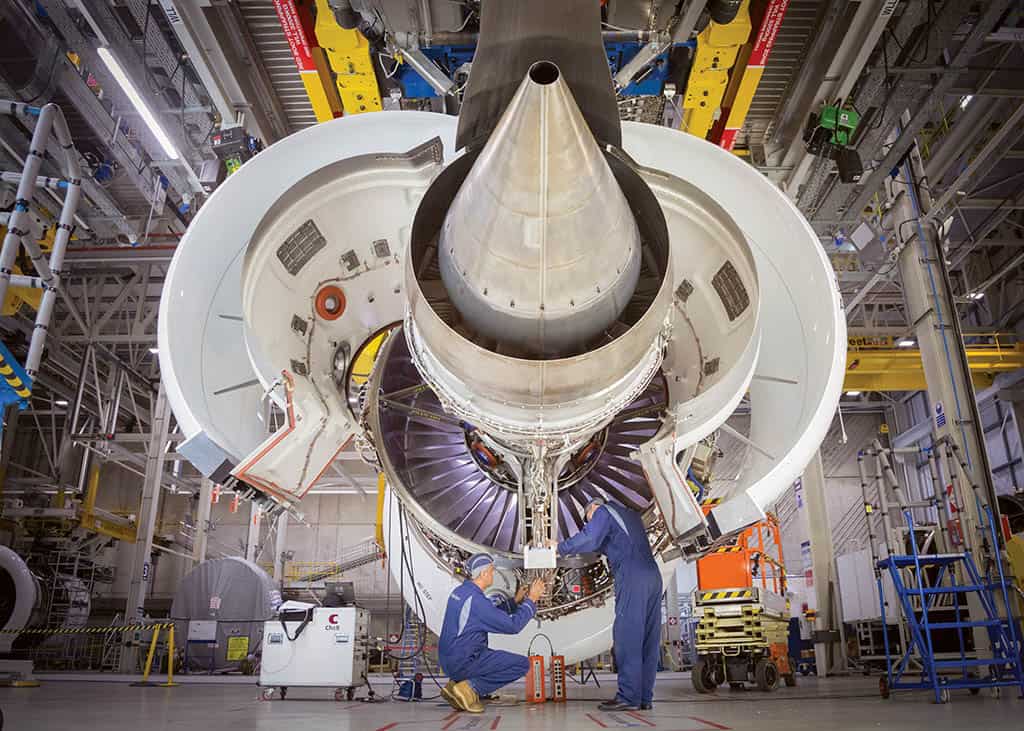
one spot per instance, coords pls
(154, 351)
(60, 402)
(906, 343)
(853, 393)
(975, 295)
(115, 68)
(966, 100)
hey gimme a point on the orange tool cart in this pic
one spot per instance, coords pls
(743, 612)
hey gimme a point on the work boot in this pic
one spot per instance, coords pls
(447, 692)
(467, 698)
(616, 704)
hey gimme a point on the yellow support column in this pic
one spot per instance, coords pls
(717, 48)
(348, 53)
(149, 659)
(170, 659)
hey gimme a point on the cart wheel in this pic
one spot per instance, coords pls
(766, 674)
(805, 669)
(883, 686)
(267, 694)
(339, 694)
(974, 691)
(703, 676)
(284, 692)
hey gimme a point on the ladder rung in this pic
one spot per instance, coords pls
(973, 663)
(962, 589)
(965, 625)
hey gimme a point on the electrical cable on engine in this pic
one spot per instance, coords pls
(405, 563)
(529, 648)
(700, 485)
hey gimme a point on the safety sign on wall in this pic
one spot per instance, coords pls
(238, 648)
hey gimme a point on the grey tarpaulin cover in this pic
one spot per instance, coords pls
(235, 592)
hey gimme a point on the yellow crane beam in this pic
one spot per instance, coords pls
(882, 368)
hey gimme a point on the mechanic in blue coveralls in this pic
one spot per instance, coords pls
(474, 669)
(619, 534)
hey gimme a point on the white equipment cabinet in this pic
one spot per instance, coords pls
(330, 651)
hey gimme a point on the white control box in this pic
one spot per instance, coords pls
(202, 630)
(539, 558)
(331, 651)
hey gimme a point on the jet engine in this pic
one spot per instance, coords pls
(556, 307)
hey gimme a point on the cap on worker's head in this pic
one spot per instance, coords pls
(477, 563)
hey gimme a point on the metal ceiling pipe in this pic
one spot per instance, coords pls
(65, 225)
(974, 121)
(17, 225)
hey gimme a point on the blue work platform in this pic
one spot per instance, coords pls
(953, 577)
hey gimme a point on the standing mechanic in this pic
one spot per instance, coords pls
(474, 669)
(619, 533)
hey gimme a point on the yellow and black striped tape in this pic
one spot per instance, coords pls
(13, 380)
(710, 596)
(85, 630)
(712, 501)
(728, 549)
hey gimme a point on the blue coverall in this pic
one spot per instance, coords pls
(619, 534)
(463, 651)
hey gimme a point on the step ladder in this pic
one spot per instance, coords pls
(950, 579)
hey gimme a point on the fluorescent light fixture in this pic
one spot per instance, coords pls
(853, 393)
(115, 68)
(60, 402)
(906, 343)
(975, 295)
(965, 101)
(154, 351)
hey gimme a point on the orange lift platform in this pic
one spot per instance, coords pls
(742, 612)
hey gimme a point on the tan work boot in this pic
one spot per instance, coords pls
(448, 694)
(467, 698)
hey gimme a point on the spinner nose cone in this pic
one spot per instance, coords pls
(539, 249)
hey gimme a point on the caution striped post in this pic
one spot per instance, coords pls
(145, 682)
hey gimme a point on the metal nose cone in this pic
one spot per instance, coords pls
(539, 250)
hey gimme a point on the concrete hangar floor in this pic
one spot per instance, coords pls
(847, 704)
